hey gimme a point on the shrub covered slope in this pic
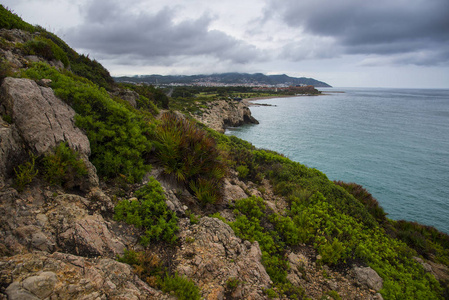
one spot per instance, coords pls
(342, 222)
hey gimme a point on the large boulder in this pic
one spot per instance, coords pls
(43, 121)
(368, 277)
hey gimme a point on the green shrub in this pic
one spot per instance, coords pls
(64, 167)
(271, 294)
(190, 155)
(25, 173)
(333, 294)
(365, 198)
(150, 213)
(182, 287)
(243, 171)
(232, 283)
(147, 266)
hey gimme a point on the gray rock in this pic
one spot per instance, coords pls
(368, 277)
(65, 276)
(16, 292)
(41, 285)
(128, 95)
(42, 119)
(232, 192)
(81, 233)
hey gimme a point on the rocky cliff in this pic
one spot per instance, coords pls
(225, 113)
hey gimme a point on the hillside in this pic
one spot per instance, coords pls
(257, 79)
(113, 191)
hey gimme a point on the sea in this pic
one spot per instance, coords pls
(393, 142)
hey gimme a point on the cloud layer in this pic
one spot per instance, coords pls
(416, 28)
(111, 30)
(366, 43)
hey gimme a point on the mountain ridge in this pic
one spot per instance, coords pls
(230, 78)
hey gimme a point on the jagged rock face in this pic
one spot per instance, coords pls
(212, 255)
(65, 276)
(42, 119)
(226, 113)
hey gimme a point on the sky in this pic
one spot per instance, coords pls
(346, 43)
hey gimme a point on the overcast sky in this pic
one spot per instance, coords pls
(347, 43)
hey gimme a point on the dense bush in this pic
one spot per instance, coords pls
(150, 213)
(190, 155)
(64, 166)
(119, 138)
(182, 287)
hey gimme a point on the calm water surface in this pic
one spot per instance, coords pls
(394, 142)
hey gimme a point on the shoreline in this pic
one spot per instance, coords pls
(249, 101)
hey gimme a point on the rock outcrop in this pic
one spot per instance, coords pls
(41, 121)
(38, 275)
(226, 113)
(41, 221)
(212, 255)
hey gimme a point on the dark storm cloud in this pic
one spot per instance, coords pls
(384, 27)
(111, 30)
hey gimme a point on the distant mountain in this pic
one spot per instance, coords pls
(223, 78)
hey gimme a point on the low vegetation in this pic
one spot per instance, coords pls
(149, 212)
(150, 268)
(190, 155)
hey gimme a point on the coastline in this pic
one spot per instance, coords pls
(249, 101)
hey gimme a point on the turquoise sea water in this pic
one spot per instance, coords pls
(394, 142)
